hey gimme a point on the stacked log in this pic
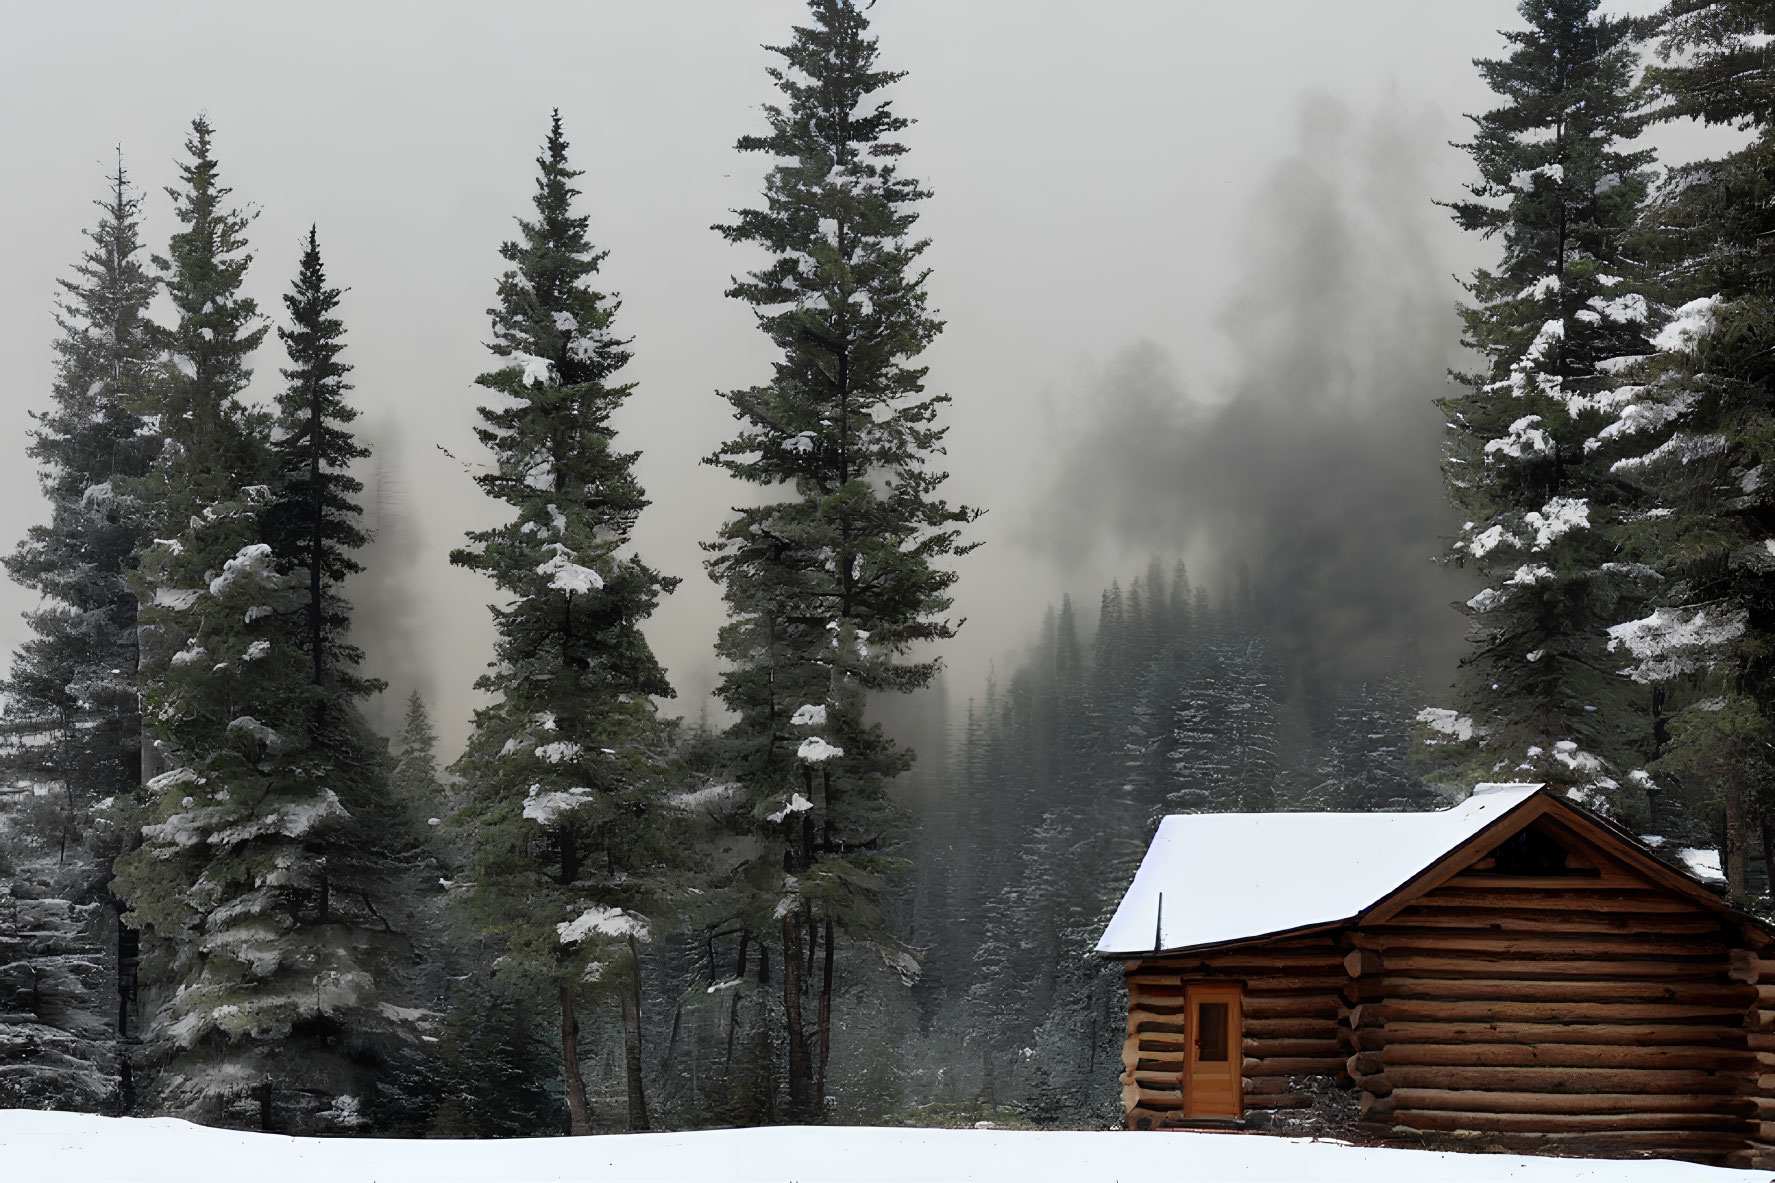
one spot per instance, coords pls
(1750, 968)
(1290, 1018)
(1587, 1014)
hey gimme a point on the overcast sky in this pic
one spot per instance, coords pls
(1094, 165)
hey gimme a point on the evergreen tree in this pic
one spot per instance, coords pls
(276, 976)
(1220, 744)
(829, 590)
(1561, 194)
(214, 446)
(74, 726)
(1364, 763)
(566, 770)
(497, 1066)
(414, 780)
(1692, 435)
(313, 520)
(71, 676)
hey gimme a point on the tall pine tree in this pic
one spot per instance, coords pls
(830, 591)
(1693, 439)
(275, 978)
(1560, 193)
(565, 771)
(312, 523)
(74, 727)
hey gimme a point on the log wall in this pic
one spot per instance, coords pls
(1596, 1015)
(1291, 1022)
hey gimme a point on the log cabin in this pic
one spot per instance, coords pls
(1516, 972)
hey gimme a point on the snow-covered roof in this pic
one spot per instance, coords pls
(1231, 876)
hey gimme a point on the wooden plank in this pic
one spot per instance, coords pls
(1601, 899)
(1500, 1101)
(1729, 996)
(1144, 988)
(1268, 983)
(1265, 1048)
(1456, 1119)
(1389, 940)
(1278, 1006)
(1640, 1034)
(1433, 1010)
(1159, 1082)
(1505, 965)
(1664, 1143)
(1493, 881)
(1536, 920)
(1563, 1055)
(1570, 1081)
(1303, 960)
(1291, 1027)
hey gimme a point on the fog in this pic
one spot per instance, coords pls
(1310, 472)
(1197, 297)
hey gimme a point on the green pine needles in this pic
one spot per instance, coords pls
(838, 589)
(74, 724)
(565, 772)
(1561, 195)
(263, 877)
(313, 521)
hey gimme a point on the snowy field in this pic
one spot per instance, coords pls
(78, 1148)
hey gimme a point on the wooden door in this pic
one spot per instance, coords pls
(1214, 1057)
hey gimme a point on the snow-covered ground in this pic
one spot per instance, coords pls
(77, 1148)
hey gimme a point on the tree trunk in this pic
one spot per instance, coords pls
(631, 1040)
(579, 1115)
(733, 1007)
(317, 531)
(800, 1070)
(1766, 824)
(825, 1023)
(1732, 856)
(733, 1026)
(665, 1062)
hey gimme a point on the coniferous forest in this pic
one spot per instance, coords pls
(863, 884)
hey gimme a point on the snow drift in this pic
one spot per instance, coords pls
(81, 1148)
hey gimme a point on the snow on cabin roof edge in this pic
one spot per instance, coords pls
(1217, 878)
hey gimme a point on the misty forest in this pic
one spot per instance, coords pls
(249, 878)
